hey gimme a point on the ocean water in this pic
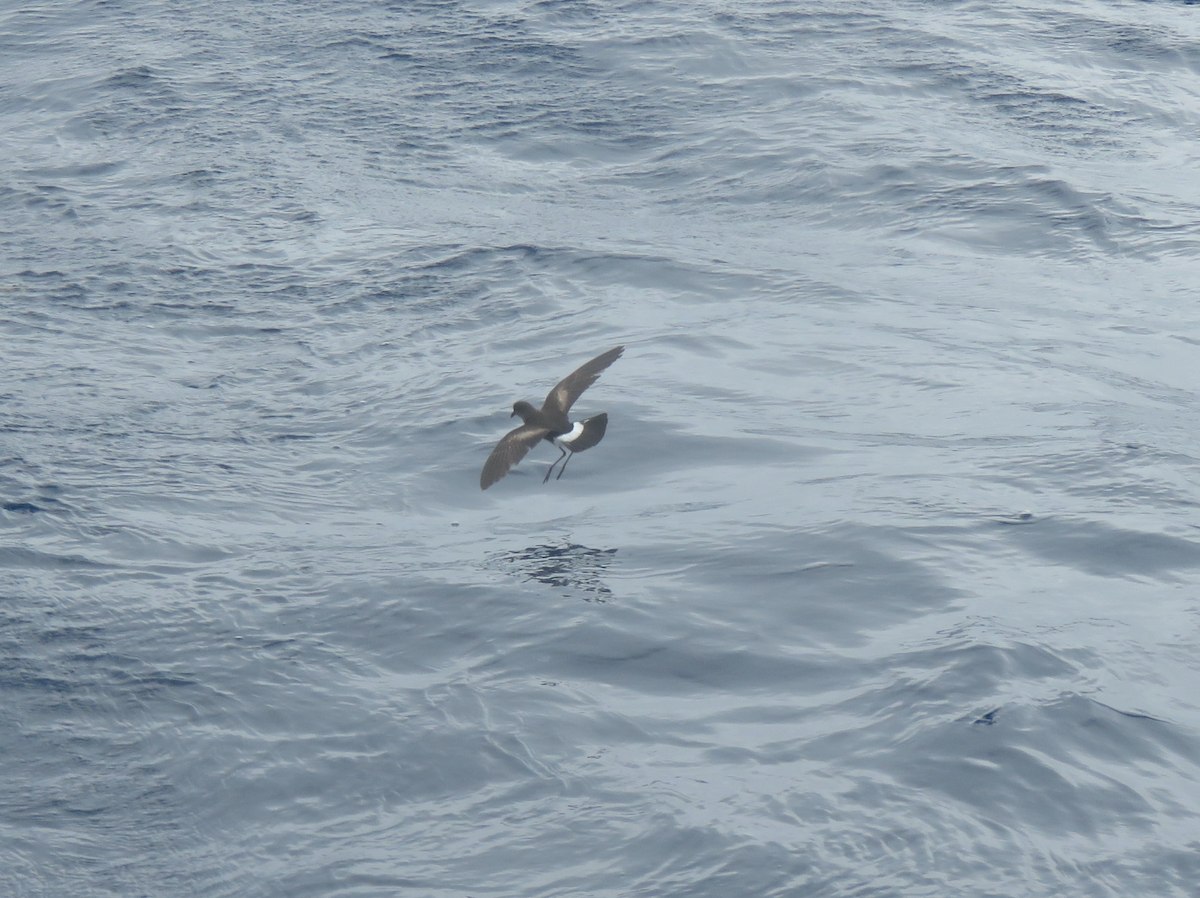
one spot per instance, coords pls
(885, 580)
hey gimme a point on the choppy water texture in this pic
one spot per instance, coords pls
(884, 581)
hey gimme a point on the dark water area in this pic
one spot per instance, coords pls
(885, 580)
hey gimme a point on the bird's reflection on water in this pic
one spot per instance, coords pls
(575, 569)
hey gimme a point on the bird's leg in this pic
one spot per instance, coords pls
(564, 467)
(551, 468)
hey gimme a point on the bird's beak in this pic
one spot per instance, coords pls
(513, 415)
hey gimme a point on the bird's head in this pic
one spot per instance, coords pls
(524, 409)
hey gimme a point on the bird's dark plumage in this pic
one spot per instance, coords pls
(510, 450)
(551, 423)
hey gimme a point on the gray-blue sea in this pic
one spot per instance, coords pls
(884, 582)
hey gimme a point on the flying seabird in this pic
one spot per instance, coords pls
(550, 423)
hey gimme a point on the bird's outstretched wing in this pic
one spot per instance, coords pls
(510, 450)
(564, 394)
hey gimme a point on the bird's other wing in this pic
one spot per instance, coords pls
(510, 450)
(564, 394)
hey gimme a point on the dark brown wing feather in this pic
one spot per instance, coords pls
(511, 449)
(563, 396)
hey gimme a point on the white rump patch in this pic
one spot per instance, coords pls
(565, 441)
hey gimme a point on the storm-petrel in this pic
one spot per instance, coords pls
(550, 423)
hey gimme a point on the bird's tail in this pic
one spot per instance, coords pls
(593, 433)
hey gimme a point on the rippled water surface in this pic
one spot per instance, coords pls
(885, 580)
